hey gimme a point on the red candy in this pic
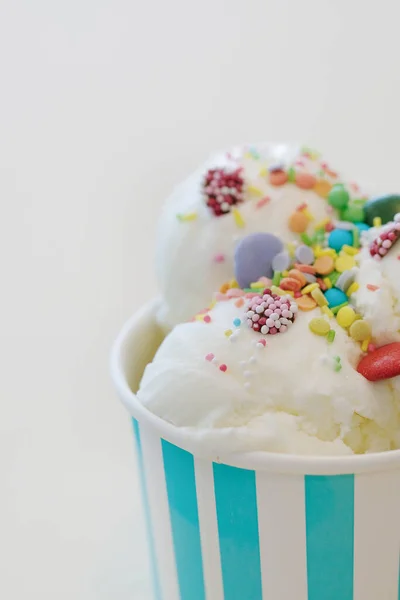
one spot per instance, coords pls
(381, 363)
(223, 189)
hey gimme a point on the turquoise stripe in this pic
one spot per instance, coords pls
(153, 562)
(236, 502)
(182, 500)
(330, 536)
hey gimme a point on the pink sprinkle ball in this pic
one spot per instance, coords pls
(223, 368)
(207, 319)
(209, 356)
(219, 258)
(271, 314)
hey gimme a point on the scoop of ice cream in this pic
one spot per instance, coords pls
(237, 389)
(378, 277)
(280, 189)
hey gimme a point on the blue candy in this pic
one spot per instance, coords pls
(335, 297)
(253, 257)
(362, 226)
(339, 238)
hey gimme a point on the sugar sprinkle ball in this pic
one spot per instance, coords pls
(223, 190)
(389, 234)
(271, 314)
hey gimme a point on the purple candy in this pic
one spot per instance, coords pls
(253, 257)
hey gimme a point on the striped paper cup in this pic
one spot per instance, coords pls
(259, 525)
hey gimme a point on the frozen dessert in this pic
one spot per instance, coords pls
(300, 352)
(280, 189)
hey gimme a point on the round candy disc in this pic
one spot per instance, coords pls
(339, 238)
(253, 257)
(338, 196)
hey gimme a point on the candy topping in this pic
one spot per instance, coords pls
(269, 313)
(253, 257)
(381, 363)
(223, 189)
(386, 238)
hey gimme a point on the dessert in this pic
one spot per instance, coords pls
(300, 352)
(280, 189)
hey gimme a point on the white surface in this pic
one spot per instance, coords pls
(104, 105)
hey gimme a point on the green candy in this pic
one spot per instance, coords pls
(353, 213)
(384, 207)
(338, 197)
(291, 175)
(334, 276)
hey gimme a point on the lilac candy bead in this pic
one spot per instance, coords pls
(253, 257)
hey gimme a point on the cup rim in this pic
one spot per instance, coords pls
(264, 461)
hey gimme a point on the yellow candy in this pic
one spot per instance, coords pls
(188, 217)
(238, 218)
(285, 273)
(263, 172)
(360, 331)
(346, 316)
(327, 311)
(319, 326)
(255, 190)
(309, 215)
(328, 252)
(280, 292)
(309, 288)
(234, 284)
(365, 344)
(321, 224)
(319, 297)
(377, 222)
(350, 250)
(327, 282)
(291, 248)
(353, 288)
(344, 263)
(228, 332)
(256, 285)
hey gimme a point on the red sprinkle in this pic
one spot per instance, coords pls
(262, 341)
(223, 189)
(223, 368)
(371, 287)
(263, 202)
(381, 363)
(209, 356)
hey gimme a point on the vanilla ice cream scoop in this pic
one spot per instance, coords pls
(296, 392)
(280, 189)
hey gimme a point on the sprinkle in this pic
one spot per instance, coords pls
(372, 288)
(291, 248)
(322, 224)
(365, 345)
(319, 297)
(335, 309)
(324, 265)
(223, 189)
(327, 311)
(277, 278)
(371, 347)
(255, 190)
(305, 268)
(350, 250)
(233, 284)
(309, 288)
(346, 316)
(263, 172)
(298, 222)
(360, 330)
(188, 217)
(263, 202)
(356, 237)
(291, 174)
(279, 291)
(306, 303)
(270, 314)
(209, 356)
(238, 218)
(207, 319)
(328, 282)
(331, 336)
(377, 222)
(306, 239)
(353, 288)
(239, 302)
(223, 368)
(224, 288)
(319, 326)
(338, 365)
(228, 332)
(237, 322)
(219, 258)
(262, 342)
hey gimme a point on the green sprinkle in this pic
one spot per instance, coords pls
(338, 366)
(306, 239)
(254, 290)
(334, 276)
(336, 309)
(331, 336)
(291, 174)
(277, 278)
(254, 153)
(356, 237)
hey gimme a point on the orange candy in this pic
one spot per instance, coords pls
(278, 178)
(324, 265)
(298, 222)
(305, 303)
(290, 284)
(296, 274)
(305, 181)
(322, 188)
(305, 268)
(224, 288)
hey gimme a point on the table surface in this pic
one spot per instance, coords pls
(104, 106)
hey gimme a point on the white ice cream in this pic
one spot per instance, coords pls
(285, 397)
(194, 257)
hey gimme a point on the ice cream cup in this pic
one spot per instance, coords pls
(258, 525)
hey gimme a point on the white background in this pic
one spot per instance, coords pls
(104, 105)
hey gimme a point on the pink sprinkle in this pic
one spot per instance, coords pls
(371, 347)
(239, 302)
(207, 319)
(219, 258)
(371, 287)
(297, 294)
(223, 368)
(263, 202)
(210, 356)
(262, 342)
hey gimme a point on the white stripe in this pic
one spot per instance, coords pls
(208, 529)
(159, 511)
(376, 536)
(282, 533)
